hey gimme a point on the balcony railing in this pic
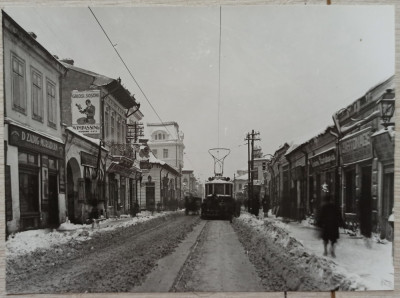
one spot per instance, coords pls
(125, 150)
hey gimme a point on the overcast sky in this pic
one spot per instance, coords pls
(284, 69)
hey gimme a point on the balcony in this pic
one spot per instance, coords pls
(124, 154)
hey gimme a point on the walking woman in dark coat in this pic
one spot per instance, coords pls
(329, 220)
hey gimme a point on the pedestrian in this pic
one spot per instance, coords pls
(265, 205)
(329, 220)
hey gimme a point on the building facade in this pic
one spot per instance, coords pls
(102, 170)
(33, 135)
(166, 143)
(351, 162)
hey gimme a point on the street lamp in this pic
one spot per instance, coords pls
(387, 107)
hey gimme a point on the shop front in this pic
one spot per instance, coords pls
(383, 142)
(322, 178)
(35, 180)
(86, 185)
(359, 171)
(122, 175)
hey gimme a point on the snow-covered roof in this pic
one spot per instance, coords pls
(81, 135)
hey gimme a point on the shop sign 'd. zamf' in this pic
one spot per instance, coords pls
(85, 107)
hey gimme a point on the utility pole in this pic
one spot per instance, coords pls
(250, 138)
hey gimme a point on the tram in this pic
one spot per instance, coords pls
(219, 202)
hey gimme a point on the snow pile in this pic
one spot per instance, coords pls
(272, 247)
(29, 241)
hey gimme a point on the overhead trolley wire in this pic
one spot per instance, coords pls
(219, 68)
(129, 71)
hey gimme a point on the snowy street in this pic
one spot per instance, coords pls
(183, 254)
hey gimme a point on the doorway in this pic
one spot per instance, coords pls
(365, 202)
(53, 200)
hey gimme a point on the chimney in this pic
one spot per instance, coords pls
(32, 34)
(68, 61)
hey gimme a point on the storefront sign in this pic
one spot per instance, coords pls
(85, 107)
(326, 159)
(26, 139)
(384, 146)
(88, 160)
(357, 147)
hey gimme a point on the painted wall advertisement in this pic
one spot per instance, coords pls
(85, 107)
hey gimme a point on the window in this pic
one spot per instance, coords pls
(112, 125)
(51, 104)
(154, 152)
(155, 136)
(106, 123)
(240, 186)
(165, 153)
(18, 84)
(37, 96)
(118, 130)
(159, 136)
(27, 158)
(163, 136)
(123, 134)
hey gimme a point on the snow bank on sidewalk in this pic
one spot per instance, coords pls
(271, 247)
(28, 241)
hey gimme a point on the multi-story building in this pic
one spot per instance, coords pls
(34, 147)
(101, 170)
(166, 143)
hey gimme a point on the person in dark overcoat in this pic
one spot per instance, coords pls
(329, 220)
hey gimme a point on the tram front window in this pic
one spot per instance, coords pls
(219, 189)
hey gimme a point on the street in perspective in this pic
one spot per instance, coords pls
(199, 149)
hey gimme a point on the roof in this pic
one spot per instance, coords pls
(243, 177)
(89, 139)
(27, 36)
(113, 86)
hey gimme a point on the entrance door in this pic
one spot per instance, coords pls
(365, 203)
(113, 197)
(53, 200)
(150, 196)
(29, 198)
(70, 194)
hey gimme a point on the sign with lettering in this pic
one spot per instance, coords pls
(357, 147)
(88, 160)
(326, 159)
(85, 107)
(33, 141)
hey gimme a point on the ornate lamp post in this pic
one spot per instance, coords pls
(387, 107)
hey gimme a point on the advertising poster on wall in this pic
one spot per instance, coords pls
(85, 107)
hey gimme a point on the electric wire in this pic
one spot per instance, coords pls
(219, 69)
(129, 71)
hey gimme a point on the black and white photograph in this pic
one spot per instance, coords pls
(199, 149)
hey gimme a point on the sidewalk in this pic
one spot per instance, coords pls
(372, 263)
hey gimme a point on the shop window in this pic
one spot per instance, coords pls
(18, 84)
(27, 158)
(51, 104)
(165, 153)
(37, 96)
(52, 164)
(28, 191)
